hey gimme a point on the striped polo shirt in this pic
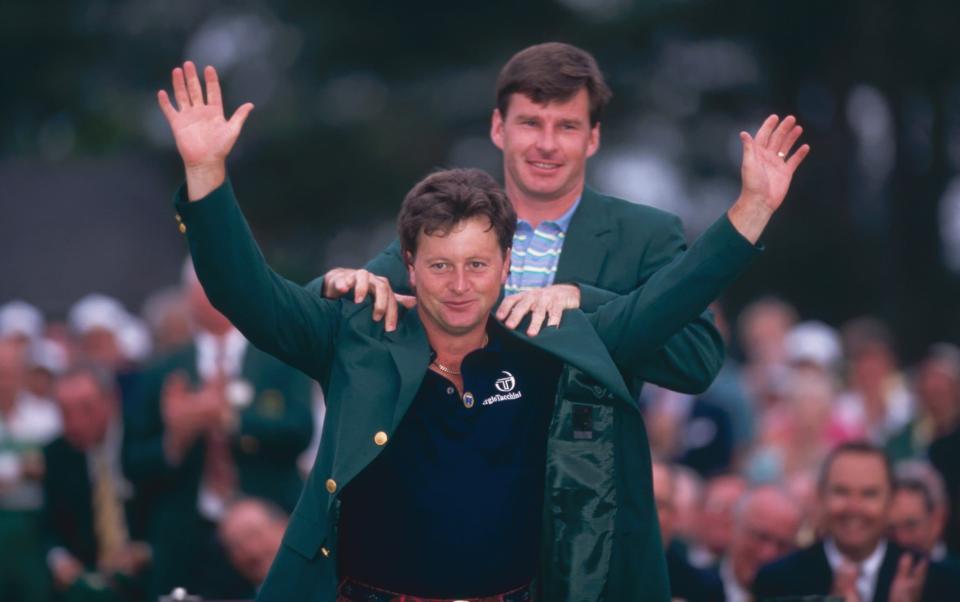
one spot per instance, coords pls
(536, 252)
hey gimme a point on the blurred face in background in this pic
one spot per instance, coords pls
(766, 529)
(100, 346)
(856, 497)
(763, 326)
(913, 523)
(938, 391)
(663, 496)
(716, 518)
(251, 536)
(11, 371)
(86, 409)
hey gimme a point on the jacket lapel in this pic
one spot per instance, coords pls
(411, 353)
(586, 242)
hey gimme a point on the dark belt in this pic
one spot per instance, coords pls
(352, 591)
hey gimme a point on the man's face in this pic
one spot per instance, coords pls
(85, 408)
(911, 524)
(856, 503)
(765, 531)
(252, 538)
(457, 276)
(545, 147)
(716, 518)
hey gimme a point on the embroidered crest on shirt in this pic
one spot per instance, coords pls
(505, 385)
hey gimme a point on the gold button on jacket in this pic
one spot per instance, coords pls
(331, 485)
(380, 438)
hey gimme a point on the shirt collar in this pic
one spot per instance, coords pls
(562, 222)
(869, 567)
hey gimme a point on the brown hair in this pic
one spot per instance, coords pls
(861, 448)
(553, 72)
(443, 199)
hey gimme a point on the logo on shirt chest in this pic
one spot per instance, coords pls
(505, 385)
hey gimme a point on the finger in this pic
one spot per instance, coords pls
(180, 89)
(213, 86)
(780, 133)
(553, 316)
(797, 158)
(408, 301)
(390, 319)
(361, 287)
(381, 292)
(193, 83)
(536, 321)
(519, 310)
(763, 134)
(789, 140)
(166, 106)
(239, 117)
(507, 305)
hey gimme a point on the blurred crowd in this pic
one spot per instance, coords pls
(139, 453)
(142, 452)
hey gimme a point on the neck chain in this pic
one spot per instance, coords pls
(451, 371)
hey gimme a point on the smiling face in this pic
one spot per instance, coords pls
(856, 496)
(457, 276)
(545, 146)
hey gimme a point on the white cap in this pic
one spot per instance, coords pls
(134, 339)
(814, 342)
(48, 355)
(97, 311)
(20, 318)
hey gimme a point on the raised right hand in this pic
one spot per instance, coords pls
(203, 135)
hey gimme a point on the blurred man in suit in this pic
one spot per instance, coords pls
(854, 559)
(89, 510)
(766, 522)
(918, 516)
(251, 532)
(215, 419)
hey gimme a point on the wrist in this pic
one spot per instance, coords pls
(204, 178)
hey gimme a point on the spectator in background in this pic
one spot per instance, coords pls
(716, 520)
(251, 532)
(27, 423)
(215, 419)
(687, 582)
(766, 523)
(88, 506)
(854, 560)
(763, 327)
(107, 335)
(167, 314)
(919, 512)
(936, 385)
(940, 388)
(687, 499)
(877, 403)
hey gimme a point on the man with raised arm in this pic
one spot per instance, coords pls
(574, 246)
(453, 464)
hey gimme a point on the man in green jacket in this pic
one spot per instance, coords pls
(574, 246)
(514, 488)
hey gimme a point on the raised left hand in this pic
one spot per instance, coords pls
(768, 163)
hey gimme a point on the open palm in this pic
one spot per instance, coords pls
(768, 166)
(202, 133)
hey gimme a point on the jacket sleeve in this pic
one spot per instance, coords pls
(282, 318)
(636, 325)
(389, 264)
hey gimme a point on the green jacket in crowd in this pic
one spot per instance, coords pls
(600, 537)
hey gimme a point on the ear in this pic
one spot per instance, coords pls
(505, 270)
(496, 129)
(593, 145)
(411, 271)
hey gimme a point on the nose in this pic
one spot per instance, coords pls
(459, 283)
(546, 141)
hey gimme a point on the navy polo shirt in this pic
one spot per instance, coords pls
(452, 505)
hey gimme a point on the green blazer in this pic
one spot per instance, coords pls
(274, 429)
(600, 538)
(611, 248)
